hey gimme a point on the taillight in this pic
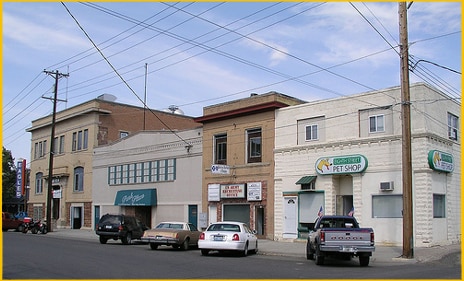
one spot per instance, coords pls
(372, 238)
(120, 228)
(322, 236)
(202, 236)
(235, 237)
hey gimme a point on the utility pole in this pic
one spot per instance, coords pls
(52, 149)
(408, 244)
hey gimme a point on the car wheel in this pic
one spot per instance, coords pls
(127, 240)
(319, 259)
(309, 251)
(153, 246)
(185, 245)
(204, 252)
(255, 251)
(103, 240)
(245, 250)
(364, 260)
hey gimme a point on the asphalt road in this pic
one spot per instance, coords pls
(29, 256)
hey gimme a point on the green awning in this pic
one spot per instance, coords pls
(306, 180)
(136, 197)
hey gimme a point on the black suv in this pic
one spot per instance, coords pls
(121, 227)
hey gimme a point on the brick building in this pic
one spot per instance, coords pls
(78, 131)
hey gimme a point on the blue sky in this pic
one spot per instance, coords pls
(200, 54)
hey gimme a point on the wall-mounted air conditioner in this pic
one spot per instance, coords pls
(386, 186)
(453, 134)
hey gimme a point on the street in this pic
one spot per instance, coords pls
(29, 256)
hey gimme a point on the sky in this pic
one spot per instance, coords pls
(194, 55)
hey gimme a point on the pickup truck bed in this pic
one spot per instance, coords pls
(339, 236)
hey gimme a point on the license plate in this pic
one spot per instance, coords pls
(348, 249)
(108, 227)
(218, 238)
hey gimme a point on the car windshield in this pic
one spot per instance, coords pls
(224, 227)
(170, 225)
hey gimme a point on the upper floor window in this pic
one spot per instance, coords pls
(39, 183)
(58, 145)
(80, 140)
(376, 123)
(40, 149)
(452, 127)
(311, 132)
(220, 149)
(78, 179)
(254, 145)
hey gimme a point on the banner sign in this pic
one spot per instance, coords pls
(350, 164)
(20, 178)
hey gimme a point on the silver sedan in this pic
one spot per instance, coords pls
(228, 236)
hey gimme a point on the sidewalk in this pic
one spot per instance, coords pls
(382, 254)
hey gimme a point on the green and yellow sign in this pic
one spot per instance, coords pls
(440, 161)
(350, 164)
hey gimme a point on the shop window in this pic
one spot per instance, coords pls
(439, 206)
(452, 127)
(220, 149)
(387, 206)
(254, 145)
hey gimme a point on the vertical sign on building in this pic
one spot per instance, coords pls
(20, 177)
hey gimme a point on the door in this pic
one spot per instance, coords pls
(77, 217)
(259, 219)
(193, 215)
(290, 217)
(96, 216)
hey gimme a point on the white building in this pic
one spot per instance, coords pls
(154, 175)
(345, 154)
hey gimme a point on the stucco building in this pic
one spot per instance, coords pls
(345, 154)
(238, 160)
(78, 130)
(154, 175)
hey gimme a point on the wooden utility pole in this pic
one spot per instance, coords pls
(408, 244)
(52, 150)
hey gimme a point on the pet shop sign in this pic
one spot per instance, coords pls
(349, 164)
(440, 161)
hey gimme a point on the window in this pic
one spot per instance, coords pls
(311, 132)
(254, 145)
(80, 140)
(387, 206)
(39, 183)
(439, 206)
(376, 124)
(152, 171)
(452, 127)
(40, 149)
(123, 134)
(58, 145)
(78, 179)
(220, 149)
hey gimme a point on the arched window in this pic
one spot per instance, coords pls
(78, 179)
(39, 183)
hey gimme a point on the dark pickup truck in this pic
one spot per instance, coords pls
(339, 236)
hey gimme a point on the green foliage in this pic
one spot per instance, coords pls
(8, 175)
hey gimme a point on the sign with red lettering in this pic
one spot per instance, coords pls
(233, 190)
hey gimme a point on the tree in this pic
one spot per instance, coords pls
(8, 175)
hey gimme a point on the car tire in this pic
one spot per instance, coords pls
(319, 258)
(103, 240)
(245, 250)
(255, 251)
(127, 240)
(153, 246)
(204, 252)
(364, 260)
(309, 252)
(185, 245)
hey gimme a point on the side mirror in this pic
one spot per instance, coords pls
(254, 232)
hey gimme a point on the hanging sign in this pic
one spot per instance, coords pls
(440, 161)
(350, 164)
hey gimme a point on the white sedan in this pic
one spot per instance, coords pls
(228, 236)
